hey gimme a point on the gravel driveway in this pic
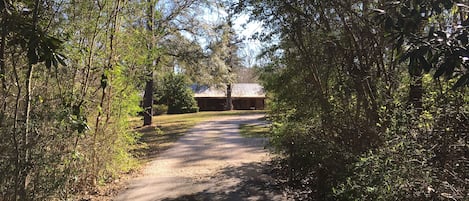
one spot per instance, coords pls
(211, 162)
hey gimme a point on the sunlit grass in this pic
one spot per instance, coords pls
(254, 130)
(166, 129)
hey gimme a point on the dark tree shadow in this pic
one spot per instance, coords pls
(256, 184)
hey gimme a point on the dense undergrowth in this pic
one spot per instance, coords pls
(368, 99)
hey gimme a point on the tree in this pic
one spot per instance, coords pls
(173, 17)
(342, 104)
(50, 101)
(224, 59)
(148, 94)
(177, 94)
(27, 43)
(70, 72)
(431, 44)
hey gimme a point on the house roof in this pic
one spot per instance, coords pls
(239, 90)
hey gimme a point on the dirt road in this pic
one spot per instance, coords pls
(211, 162)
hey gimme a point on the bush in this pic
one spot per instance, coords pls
(414, 162)
(160, 109)
(184, 110)
(192, 110)
(397, 170)
(177, 95)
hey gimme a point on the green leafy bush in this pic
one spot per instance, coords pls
(177, 95)
(413, 163)
(192, 110)
(397, 170)
(160, 109)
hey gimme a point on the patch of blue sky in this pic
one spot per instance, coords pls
(245, 29)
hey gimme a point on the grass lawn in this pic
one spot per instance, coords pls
(254, 130)
(166, 129)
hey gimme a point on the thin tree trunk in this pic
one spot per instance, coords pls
(106, 93)
(18, 152)
(90, 61)
(148, 101)
(148, 96)
(111, 59)
(3, 67)
(26, 135)
(94, 172)
(229, 100)
(27, 110)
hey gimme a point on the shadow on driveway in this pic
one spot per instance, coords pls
(254, 184)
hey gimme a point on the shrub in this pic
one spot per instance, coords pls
(413, 163)
(160, 109)
(177, 95)
(192, 110)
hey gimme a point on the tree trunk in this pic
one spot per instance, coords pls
(2, 67)
(148, 101)
(229, 100)
(25, 165)
(148, 96)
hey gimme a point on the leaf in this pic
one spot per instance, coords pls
(441, 69)
(414, 68)
(54, 62)
(463, 38)
(431, 32)
(380, 11)
(408, 54)
(441, 34)
(54, 43)
(61, 59)
(48, 63)
(462, 81)
(32, 56)
(462, 5)
(388, 24)
(424, 64)
(448, 4)
(455, 62)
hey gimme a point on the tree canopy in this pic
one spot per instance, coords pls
(71, 75)
(368, 99)
(360, 107)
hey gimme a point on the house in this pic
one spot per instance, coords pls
(245, 96)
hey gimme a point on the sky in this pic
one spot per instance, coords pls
(252, 47)
(249, 48)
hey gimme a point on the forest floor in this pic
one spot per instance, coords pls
(212, 161)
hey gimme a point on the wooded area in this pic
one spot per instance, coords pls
(73, 72)
(368, 99)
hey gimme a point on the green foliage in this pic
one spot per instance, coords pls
(344, 79)
(70, 73)
(160, 109)
(177, 94)
(409, 165)
(193, 109)
(399, 169)
(124, 106)
(64, 118)
(422, 38)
